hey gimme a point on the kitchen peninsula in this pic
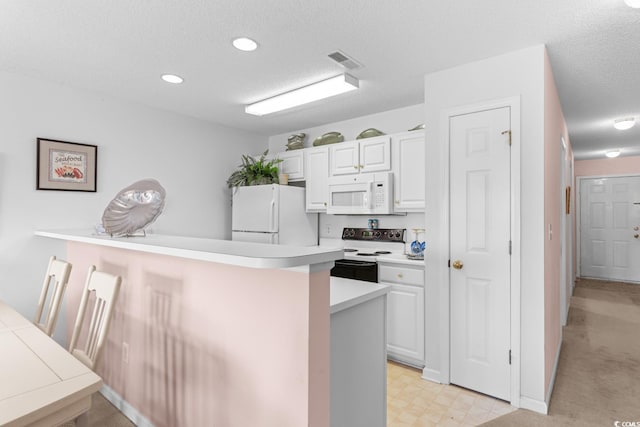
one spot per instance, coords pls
(214, 332)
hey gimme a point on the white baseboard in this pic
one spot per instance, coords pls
(432, 375)
(553, 373)
(534, 405)
(129, 411)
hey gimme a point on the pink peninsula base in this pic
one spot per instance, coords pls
(202, 343)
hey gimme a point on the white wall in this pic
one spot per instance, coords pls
(520, 74)
(191, 158)
(392, 121)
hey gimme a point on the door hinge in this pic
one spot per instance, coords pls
(509, 357)
(509, 247)
(509, 133)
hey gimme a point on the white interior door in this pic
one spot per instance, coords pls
(479, 245)
(609, 224)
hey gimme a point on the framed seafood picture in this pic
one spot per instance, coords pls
(66, 166)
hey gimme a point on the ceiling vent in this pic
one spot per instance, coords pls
(344, 60)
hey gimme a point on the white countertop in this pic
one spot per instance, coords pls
(255, 255)
(346, 293)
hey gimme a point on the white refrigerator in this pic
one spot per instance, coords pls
(272, 214)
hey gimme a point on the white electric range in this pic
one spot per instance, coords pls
(364, 247)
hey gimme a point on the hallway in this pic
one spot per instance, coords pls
(598, 378)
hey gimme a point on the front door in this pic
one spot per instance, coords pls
(610, 228)
(480, 251)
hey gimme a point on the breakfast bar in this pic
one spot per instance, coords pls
(215, 332)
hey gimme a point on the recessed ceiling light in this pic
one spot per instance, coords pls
(613, 153)
(245, 44)
(624, 124)
(633, 3)
(172, 78)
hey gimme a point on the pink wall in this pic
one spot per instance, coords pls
(554, 128)
(213, 344)
(603, 167)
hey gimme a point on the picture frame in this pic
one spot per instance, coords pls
(66, 166)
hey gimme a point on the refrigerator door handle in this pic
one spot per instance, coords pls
(272, 215)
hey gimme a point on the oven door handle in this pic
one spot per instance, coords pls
(356, 264)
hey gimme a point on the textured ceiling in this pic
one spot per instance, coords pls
(121, 47)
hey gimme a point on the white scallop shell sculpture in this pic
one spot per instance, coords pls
(134, 208)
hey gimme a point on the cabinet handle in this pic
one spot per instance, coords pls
(355, 166)
(399, 275)
(361, 166)
(397, 202)
(325, 203)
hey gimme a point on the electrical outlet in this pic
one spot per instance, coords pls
(125, 352)
(328, 229)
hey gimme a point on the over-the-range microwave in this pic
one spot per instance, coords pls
(365, 193)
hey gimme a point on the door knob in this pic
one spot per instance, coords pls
(635, 236)
(636, 228)
(457, 264)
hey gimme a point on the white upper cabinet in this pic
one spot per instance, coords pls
(408, 154)
(366, 155)
(292, 164)
(316, 167)
(344, 158)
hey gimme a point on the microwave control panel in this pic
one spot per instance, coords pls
(374, 234)
(379, 195)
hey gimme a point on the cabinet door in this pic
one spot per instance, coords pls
(292, 164)
(375, 154)
(408, 151)
(344, 158)
(317, 174)
(405, 324)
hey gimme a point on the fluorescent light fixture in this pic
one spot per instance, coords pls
(613, 153)
(633, 3)
(172, 78)
(624, 124)
(244, 44)
(304, 95)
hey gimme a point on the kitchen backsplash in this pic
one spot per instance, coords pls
(331, 225)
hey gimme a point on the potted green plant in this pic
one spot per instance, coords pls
(255, 171)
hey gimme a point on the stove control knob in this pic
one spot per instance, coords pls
(398, 235)
(377, 234)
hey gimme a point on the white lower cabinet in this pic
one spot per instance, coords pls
(405, 312)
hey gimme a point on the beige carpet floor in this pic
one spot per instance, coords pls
(598, 378)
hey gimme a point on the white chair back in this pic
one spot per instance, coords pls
(55, 281)
(105, 287)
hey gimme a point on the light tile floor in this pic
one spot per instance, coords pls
(412, 401)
